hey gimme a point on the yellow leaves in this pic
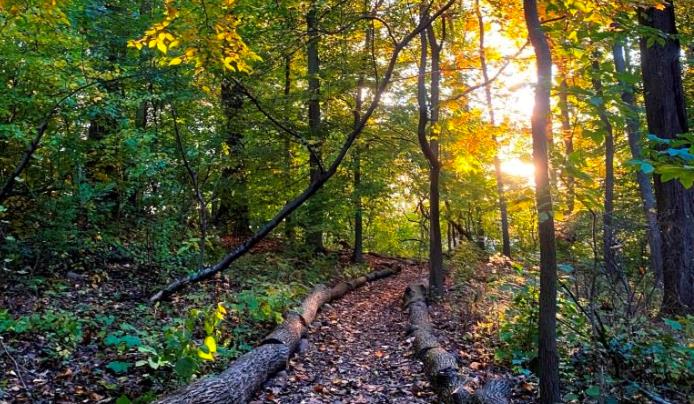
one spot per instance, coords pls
(223, 44)
(208, 349)
(221, 311)
(660, 6)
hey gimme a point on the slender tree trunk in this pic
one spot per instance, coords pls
(357, 254)
(608, 221)
(645, 186)
(506, 239)
(430, 148)
(314, 234)
(202, 205)
(233, 213)
(548, 354)
(568, 138)
(288, 222)
(667, 117)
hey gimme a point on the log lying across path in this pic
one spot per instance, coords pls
(243, 377)
(440, 366)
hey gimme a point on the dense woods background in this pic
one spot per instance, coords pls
(536, 156)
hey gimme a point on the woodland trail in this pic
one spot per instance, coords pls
(357, 352)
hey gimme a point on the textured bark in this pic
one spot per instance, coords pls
(440, 366)
(288, 222)
(645, 185)
(233, 212)
(419, 317)
(244, 376)
(505, 237)
(430, 147)
(288, 333)
(310, 305)
(548, 354)
(314, 234)
(667, 117)
(238, 383)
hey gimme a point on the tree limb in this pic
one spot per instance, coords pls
(314, 186)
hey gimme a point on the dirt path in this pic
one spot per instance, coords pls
(357, 352)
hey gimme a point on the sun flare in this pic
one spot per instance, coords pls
(516, 167)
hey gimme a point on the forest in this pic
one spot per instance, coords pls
(332, 201)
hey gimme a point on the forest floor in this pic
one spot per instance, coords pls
(358, 351)
(357, 348)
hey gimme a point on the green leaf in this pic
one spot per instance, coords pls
(118, 366)
(131, 341)
(593, 391)
(185, 367)
(674, 324)
(123, 400)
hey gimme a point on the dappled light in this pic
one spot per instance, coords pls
(304, 201)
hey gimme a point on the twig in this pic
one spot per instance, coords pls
(16, 367)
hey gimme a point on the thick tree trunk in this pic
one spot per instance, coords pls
(505, 237)
(548, 354)
(667, 117)
(608, 206)
(314, 233)
(645, 186)
(245, 376)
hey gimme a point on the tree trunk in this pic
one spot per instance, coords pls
(233, 212)
(548, 355)
(245, 376)
(667, 117)
(608, 240)
(568, 137)
(314, 233)
(308, 192)
(440, 366)
(645, 186)
(288, 222)
(506, 239)
(436, 273)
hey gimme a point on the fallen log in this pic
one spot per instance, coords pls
(246, 375)
(238, 383)
(440, 366)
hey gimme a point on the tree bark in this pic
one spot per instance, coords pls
(440, 366)
(505, 237)
(233, 212)
(548, 354)
(430, 148)
(288, 222)
(645, 186)
(245, 376)
(314, 233)
(608, 205)
(667, 117)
